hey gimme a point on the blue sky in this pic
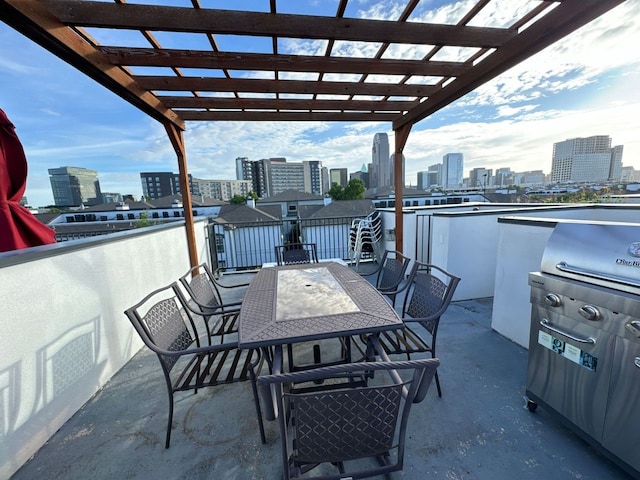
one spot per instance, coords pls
(586, 84)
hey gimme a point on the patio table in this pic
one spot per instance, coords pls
(300, 303)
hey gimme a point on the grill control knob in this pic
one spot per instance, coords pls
(634, 327)
(589, 312)
(552, 300)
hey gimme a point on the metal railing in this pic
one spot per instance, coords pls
(248, 245)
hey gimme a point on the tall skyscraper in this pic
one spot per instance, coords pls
(452, 170)
(75, 186)
(589, 159)
(161, 184)
(380, 176)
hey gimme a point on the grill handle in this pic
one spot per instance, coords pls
(545, 323)
(565, 267)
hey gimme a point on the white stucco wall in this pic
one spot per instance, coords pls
(64, 332)
(520, 247)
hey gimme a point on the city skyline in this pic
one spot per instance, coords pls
(584, 85)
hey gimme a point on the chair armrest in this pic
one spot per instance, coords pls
(370, 274)
(218, 309)
(399, 288)
(188, 351)
(424, 380)
(231, 286)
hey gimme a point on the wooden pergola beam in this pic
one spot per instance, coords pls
(232, 22)
(275, 116)
(151, 57)
(250, 85)
(285, 104)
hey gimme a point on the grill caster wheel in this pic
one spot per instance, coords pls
(531, 406)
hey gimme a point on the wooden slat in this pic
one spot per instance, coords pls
(282, 86)
(284, 104)
(273, 116)
(149, 57)
(182, 19)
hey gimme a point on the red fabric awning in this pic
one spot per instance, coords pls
(18, 227)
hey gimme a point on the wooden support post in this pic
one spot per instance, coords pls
(401, 135)
(177, 140)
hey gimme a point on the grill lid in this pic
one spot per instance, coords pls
(605, 254)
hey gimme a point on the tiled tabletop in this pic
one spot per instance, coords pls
(299, 303)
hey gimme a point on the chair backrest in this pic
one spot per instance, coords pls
(340, 422)
(164, 324)
(392, 271)
(296, 253)
(429, 294)
(200, 283)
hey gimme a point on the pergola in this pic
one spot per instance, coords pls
(413, 70)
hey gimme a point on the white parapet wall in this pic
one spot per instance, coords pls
(64, 332)
(521, 243)
(493, 247)
(520, 247)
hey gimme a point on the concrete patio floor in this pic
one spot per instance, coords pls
(479, 429)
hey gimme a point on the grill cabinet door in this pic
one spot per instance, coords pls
(575, 391)
(622, 423)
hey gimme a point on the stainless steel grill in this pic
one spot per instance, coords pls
(584, 347)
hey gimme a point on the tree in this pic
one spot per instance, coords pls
(353, 191)
(143, 221)
(336, 192)
(238, 199)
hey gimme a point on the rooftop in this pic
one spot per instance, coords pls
(479, 429)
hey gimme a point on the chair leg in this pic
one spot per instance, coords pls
(252, 375)
(346, 349)
(290, 357)
(438, 384)
(169, 422)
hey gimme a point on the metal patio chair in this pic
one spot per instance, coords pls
(206, 299)
(191, 359)
(428, 296)
(296, 253)
(390, 275)
(342, 425)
